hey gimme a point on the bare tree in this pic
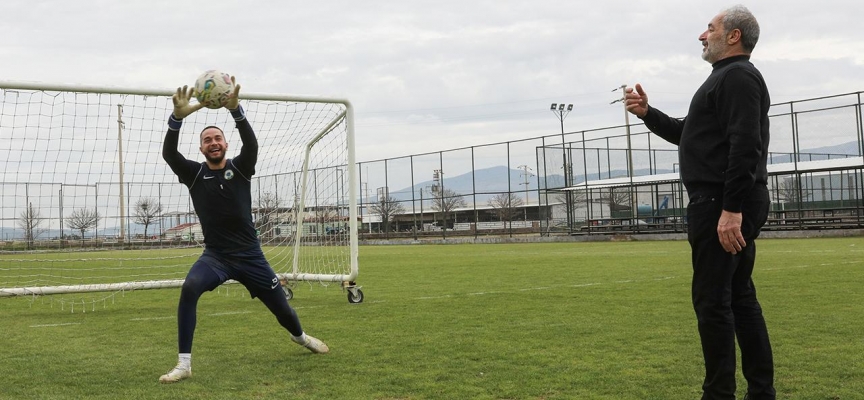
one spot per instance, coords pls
(618, 199)
(30, 220)
(268, 208)
(506, 205)
(387, 208)
(146, 212)
(445, 202)
(577, 198)
(789, 191)
(82, 220)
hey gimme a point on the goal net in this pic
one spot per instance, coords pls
(87, 204)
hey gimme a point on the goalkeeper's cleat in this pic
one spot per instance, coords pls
(177, 374)
(314, 345)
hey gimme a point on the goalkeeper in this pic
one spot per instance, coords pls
(221, 193)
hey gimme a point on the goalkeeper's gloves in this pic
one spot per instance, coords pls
(182, 108)
(234, 99)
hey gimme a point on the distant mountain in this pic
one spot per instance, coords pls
(501, 179)
(850, 148)
(7, 233)
(15, 233)
(488, 180)
(819, 153)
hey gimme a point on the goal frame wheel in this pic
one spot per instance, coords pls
(355, 295)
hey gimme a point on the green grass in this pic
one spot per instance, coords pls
(607, 320)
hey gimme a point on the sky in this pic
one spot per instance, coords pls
(432, 75)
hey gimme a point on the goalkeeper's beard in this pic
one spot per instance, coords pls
(215, 160)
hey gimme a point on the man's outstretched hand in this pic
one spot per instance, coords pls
(182, 108)
(636, 101)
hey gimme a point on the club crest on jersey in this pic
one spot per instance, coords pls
(229, 174)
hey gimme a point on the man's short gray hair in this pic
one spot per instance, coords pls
(739, 17)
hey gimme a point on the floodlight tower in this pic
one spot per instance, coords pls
(561, 111)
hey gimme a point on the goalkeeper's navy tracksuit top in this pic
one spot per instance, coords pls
(222, 198)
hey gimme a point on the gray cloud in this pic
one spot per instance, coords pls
(431, 75)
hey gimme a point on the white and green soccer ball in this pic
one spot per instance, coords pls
(213, 88)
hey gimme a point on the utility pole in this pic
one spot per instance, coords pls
(633, 210)
(561, 113)
(437, 189)
(120, 125)
(525, 175)
(422, 200)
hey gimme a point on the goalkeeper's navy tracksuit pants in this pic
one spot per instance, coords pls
(251, 269)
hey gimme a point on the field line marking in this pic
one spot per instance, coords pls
(812, 265)
(228, 313)
(578, 285)
(53, 325)
(434, 297)
(220, 314)
(152, 318)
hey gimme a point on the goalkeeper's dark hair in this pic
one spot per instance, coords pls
(208, 127)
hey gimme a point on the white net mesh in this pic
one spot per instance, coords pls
(88, 204)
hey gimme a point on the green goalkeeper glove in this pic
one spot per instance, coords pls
(182, 108)
(234, 99)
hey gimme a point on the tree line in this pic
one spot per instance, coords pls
(32, 222)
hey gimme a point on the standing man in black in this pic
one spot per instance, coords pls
(723, 148)
(220, 189)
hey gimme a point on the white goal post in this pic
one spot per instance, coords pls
(87, 204)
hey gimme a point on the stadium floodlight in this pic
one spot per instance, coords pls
(305, 175)
(561, 111)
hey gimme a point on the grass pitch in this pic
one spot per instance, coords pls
(607, 320)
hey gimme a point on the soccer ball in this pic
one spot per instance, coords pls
(213, 88)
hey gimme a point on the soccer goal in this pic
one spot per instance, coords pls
(88, 205)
